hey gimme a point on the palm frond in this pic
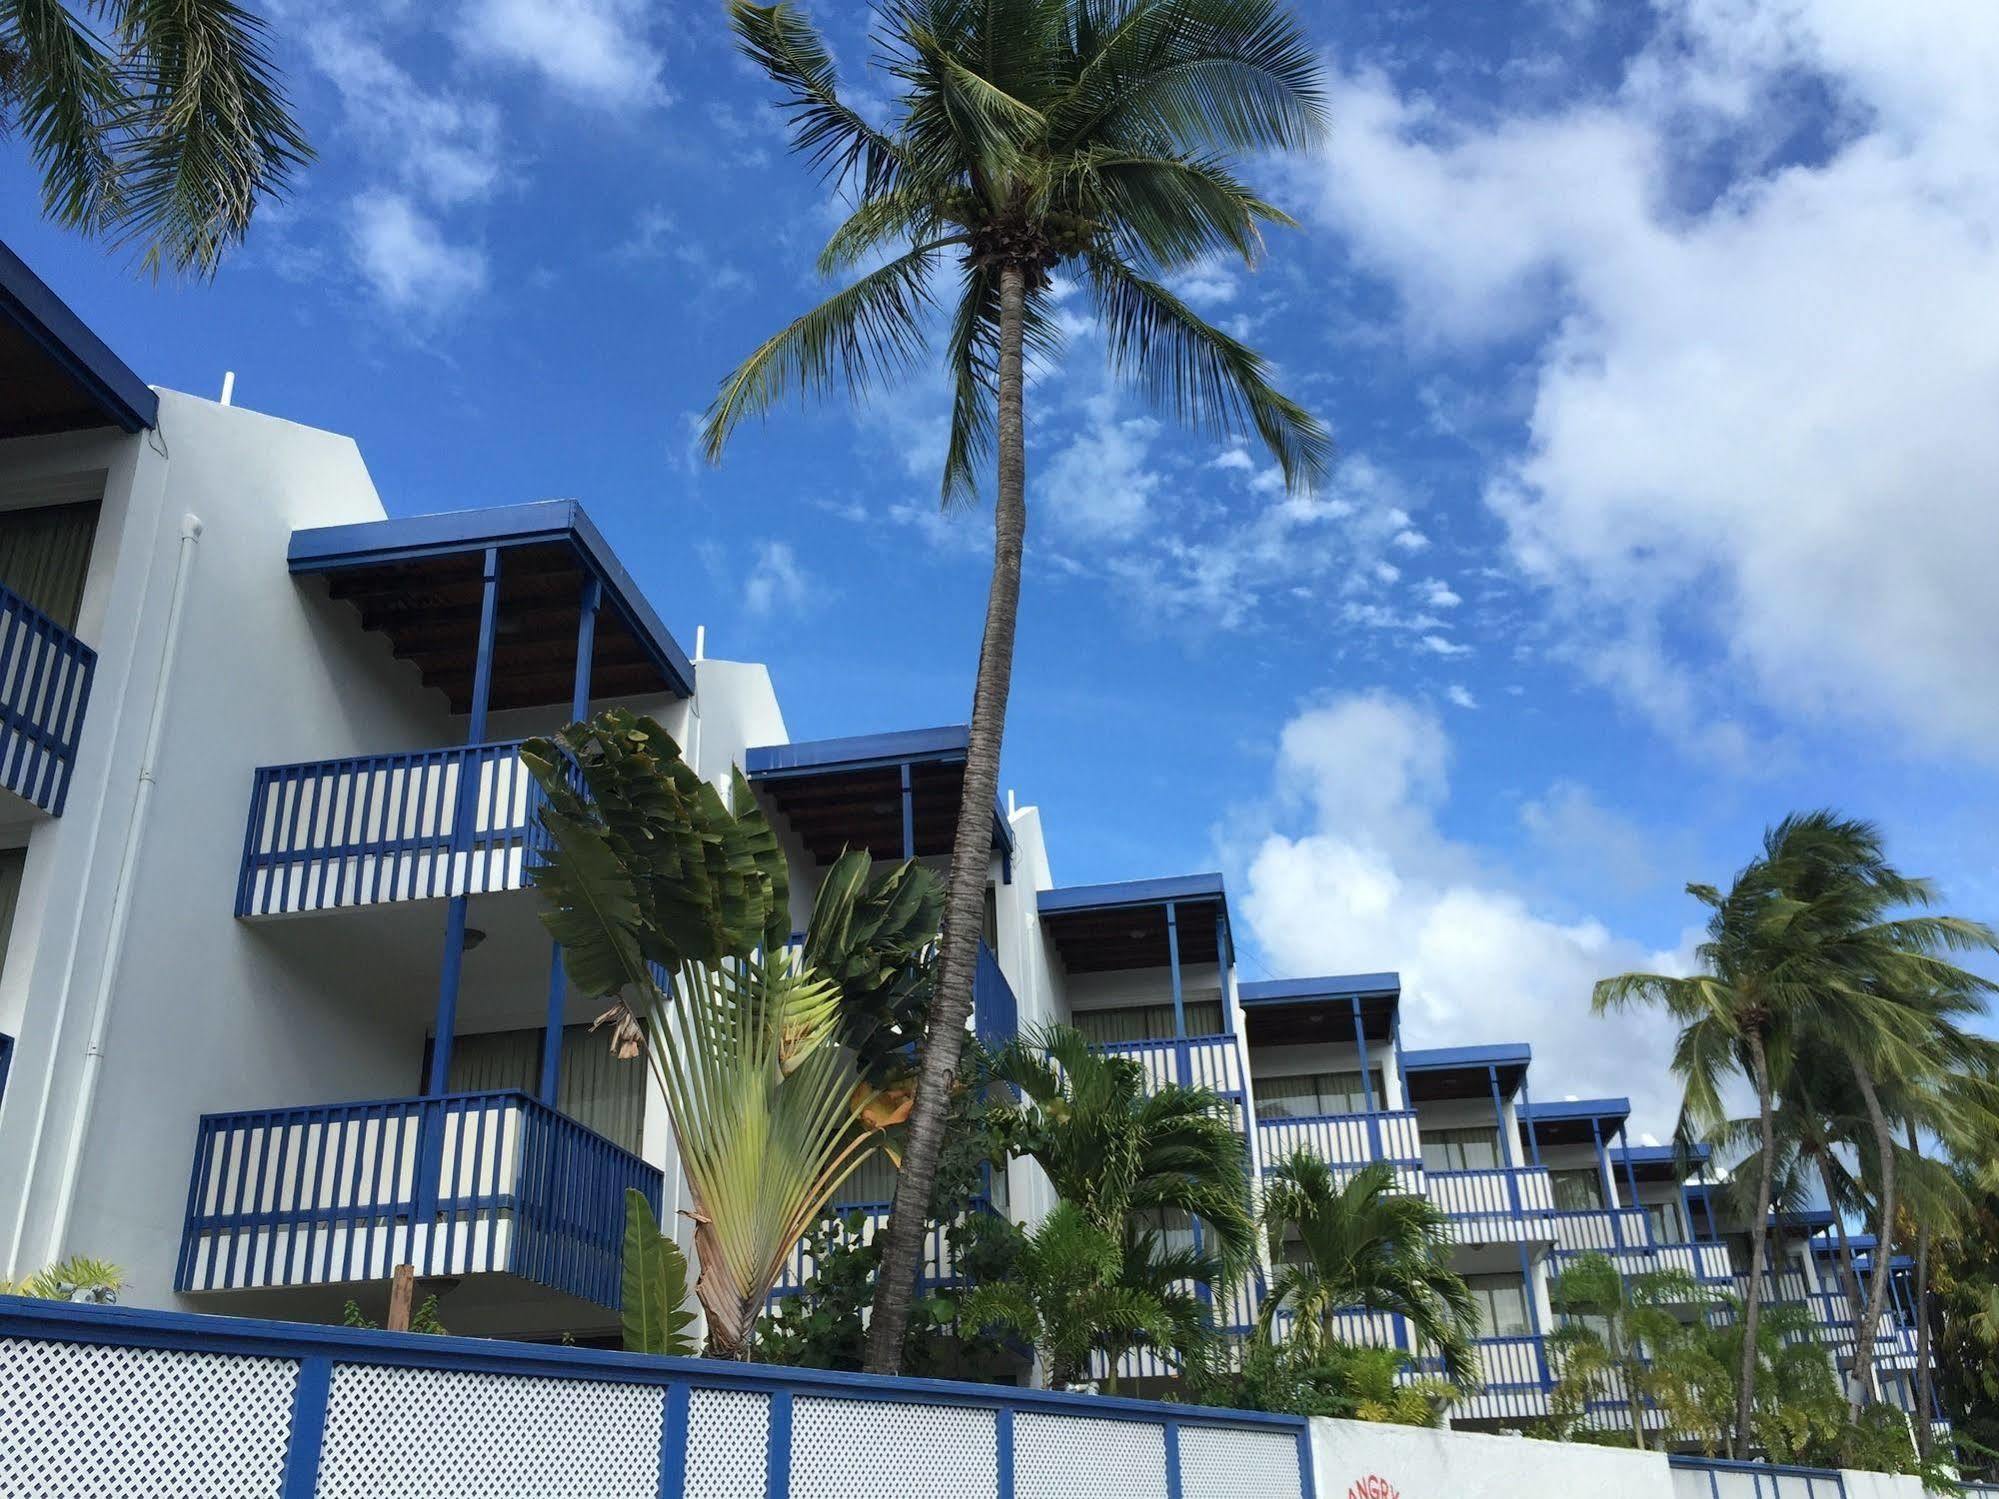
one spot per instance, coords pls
(835, 138)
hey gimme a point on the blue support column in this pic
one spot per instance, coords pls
(1533, 1314)
(1609, 1183)
(1527, 1118)
(465, 809)
(579, 709)
(908, 815)
(1631, 1176)
(1507, 1149)
(1225, 955)
(1366, 1081)
(1173, 967)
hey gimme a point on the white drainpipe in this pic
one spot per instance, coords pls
(121, 894)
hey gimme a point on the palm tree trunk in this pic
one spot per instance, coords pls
(1925, 1379)
(1849, 1282)
(1752, 1304)
(1884, 1229)
(971, 862)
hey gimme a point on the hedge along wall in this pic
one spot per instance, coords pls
(112, 1401)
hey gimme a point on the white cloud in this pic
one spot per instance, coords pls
(441, 145)
(1099, 484)
(776, 582)
(1438, 645)
(1437, 594)
(601, 52)
(1761, 442)
(1356, 875)
(1589, 840)
(407, 261)
(1460, 695)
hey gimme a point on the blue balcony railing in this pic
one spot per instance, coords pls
(418, 825)
(1505, 1202)
(1191, 1061)
(1344, 1140)
(45, 675)
(462, 1184)
(995, 1012)
(939, 1271)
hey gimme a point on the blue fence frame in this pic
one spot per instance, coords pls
(1767, 1480)
(320, 1350)
(45, 677)
(455, 1184)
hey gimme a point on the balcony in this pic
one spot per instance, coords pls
(1506, 1203)
(1517, 1380)
(419, 825)
(938, 1272)
(1621, 1236)
(995, 1011)
(1191, 1061)
(45, 676)
(1346, 1142)
(462, 1184)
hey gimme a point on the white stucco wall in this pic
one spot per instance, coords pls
(1365, 1460)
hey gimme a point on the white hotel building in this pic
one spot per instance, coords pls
(276, 1012)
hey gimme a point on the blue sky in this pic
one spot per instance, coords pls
(1659, 342)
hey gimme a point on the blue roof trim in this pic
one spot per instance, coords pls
(1661, 1155)
(1332, 986)
(1131, 893)
(1578, 1108)
(856, 752)
(1509, 1054)
(325, 549)
(26, 301)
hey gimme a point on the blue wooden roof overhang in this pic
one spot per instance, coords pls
(55, 374)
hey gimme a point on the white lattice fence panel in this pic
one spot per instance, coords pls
(1077, 1457)
(436, 1434)
(1216, 1464)
(140, 1423)
(728, 1445)
(853, 1449)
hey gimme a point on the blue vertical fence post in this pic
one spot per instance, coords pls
(1366, 1082)
(1173, 1487)
(673, 1441)
(1003, 1451)
(308, 1435)
(579, 709)
(1173, 969)
(777, 1468)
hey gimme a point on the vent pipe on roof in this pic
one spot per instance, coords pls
(700, 644)
(228, 386)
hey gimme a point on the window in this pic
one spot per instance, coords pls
(1173, 1225)
(1461, 1149)
(45, 556)
(1152, 1022)
(1668, 1226)
(1502, 1305)
(1314, 1093)
(594, 1088)
(1578, 1190)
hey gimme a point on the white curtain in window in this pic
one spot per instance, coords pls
(45, 556)
(594, 1088)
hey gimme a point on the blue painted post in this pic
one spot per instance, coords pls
(673, 1442)
(1534, 1316)
(579, 709)
(461, 827)
(1506, 1150)
(1003, 1451)
(1226, 958)
(1609, 1183)
(1306, 1482)
(1173, 1486)
(1173, 968)
(777, 1466)
(1631, 1178)
(309, 1396)
(1366, 1082)
(1527, 1118)
(908, 815)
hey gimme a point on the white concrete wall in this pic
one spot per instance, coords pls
(1366, 1460)
(1034, 971)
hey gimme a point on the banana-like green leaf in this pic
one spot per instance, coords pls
(653, 1285)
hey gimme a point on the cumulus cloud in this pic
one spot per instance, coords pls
(1761, 442)
(1460, 695)
(1099, 484)
(407, 260)
(1355, 874)
(439, 144)
(600, 52)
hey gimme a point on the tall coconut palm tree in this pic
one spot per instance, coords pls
(1116, 1151)
(160, 124)
(1363, 1244)
(1027, 139)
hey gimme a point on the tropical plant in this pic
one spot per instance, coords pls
(1026, 139)
(159, 123)
(1966, 1319)
(78, 1278)
(1113, 1150)
(423, 1318)
(674, 907)
(1332, 1379)
(1363, 1245)
(1174, 1276)
(1627, 1338)
(1067, 1297)
(876, 937)
(652, 1285)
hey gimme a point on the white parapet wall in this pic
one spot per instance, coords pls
(1367, 1460)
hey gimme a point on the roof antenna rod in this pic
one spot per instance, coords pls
(228, 386)
(700, 643)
